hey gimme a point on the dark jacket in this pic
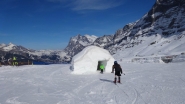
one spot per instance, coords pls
(117, 67)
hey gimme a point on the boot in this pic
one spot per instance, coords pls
(115, 80)
(119, 81)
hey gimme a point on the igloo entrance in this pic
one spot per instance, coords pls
(104, 63)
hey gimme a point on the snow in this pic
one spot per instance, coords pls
(155, 45)
(83, 43)
(2, 45)
(91, 38)
(148, 83)
(156, 14)
(87, 60)
(9, 47)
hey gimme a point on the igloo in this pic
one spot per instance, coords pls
(89, 59)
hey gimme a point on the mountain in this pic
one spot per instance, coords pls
(103, 41)
(78, 43)
(159, 32)
(119, 38)
(23, 54)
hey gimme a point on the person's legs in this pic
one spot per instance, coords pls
(101, 70)
(116, 74)
(115, 79)
(119, 80)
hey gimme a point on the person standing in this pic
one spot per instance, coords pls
(15, 61)
(102, 67)
(118, 71)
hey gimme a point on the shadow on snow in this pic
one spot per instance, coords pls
(106, 80)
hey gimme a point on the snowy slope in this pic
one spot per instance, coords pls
(154, 46)
(153, 49)
(54, 84)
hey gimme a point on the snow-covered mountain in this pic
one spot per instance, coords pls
(22, 53)
(75, 45)
(91, 38)
(161, 31)
(103, 41)
(78, 43)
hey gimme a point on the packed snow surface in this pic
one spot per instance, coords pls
(148, 83)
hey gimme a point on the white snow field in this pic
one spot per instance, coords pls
(148, 83)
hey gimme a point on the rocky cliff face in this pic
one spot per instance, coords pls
(166, 18)
(165, 14)
(78, 43)
(103, 41)
(75, 45)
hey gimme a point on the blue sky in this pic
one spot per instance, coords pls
(49, 24)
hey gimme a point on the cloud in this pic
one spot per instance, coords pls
(95, 4)
(80, 5)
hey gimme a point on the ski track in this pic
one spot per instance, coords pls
(123, 91)
(137, 94)
(136, 97)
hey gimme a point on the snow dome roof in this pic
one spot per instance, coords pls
(87, 60)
